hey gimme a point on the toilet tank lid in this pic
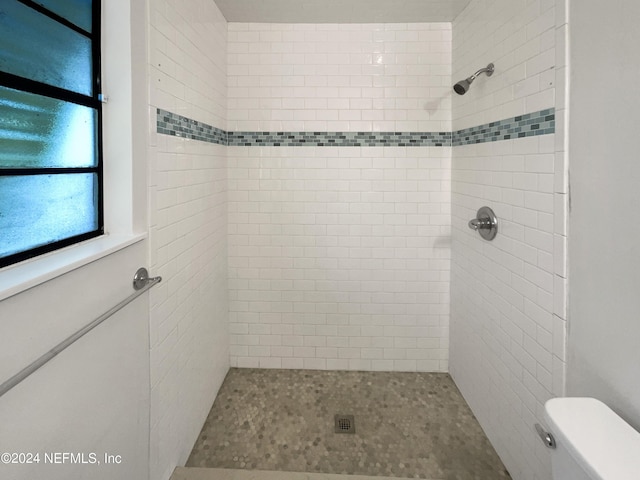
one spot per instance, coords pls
(600, 441)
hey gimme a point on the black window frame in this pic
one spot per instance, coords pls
(93, 101)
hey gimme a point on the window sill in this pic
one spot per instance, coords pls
(18, 278)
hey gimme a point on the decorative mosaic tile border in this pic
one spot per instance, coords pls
(340, 139)
(531, 124)
(178, 126)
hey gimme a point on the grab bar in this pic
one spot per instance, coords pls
(142, 282)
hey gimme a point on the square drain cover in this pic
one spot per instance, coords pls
(345, 424)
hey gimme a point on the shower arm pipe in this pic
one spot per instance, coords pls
(489, 69)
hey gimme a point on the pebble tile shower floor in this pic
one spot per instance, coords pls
(414, 425)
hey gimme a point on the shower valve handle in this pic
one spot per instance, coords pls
(477, 223)
(485, 223)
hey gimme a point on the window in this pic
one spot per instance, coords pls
(50, 126)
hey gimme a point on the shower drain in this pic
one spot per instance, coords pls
(344, 424)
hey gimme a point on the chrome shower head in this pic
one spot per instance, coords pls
(463, 86)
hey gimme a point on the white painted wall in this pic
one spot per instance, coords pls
(94, 396)
(507, 296)
(339, 257)
(188, 228)
(603, 353)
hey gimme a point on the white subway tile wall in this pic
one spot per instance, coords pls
(351, 77)
(339, 257)
(187, 60)
(507, 346)
(519, 37)
(188, 228)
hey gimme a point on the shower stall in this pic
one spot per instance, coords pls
(302, 176)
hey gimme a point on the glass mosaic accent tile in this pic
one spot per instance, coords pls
(178, 126)
(340, 139)
(531, 124)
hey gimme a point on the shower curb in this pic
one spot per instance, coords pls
(193, 473)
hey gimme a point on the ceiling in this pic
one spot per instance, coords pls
(340, 11)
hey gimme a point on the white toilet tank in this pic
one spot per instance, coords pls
(593, 443)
